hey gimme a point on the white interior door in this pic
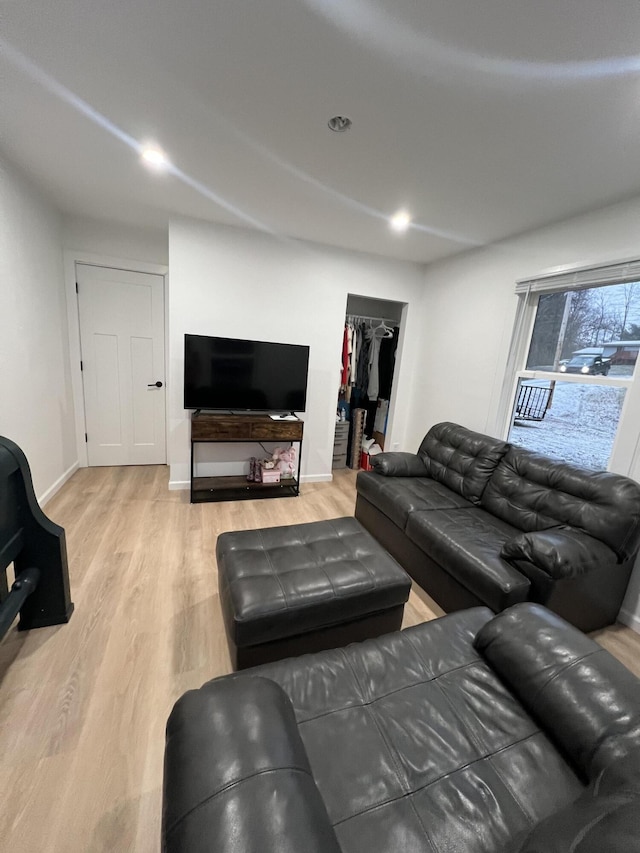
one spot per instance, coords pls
(122, 341)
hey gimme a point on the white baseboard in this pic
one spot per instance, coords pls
(316, 478)
(631, 620)
(59, 483)
(177, 485)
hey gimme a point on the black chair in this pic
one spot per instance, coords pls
(36, 547)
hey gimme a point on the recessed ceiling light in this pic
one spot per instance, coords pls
(154, 157)
(339, 124)
(400, 221)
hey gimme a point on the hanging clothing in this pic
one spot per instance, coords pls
(372, 408)
(353, 364)
(386, 364)
(369, 351)
(362, 370)
(345, 357)
(375, 335)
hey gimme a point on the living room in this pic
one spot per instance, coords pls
(140, 639)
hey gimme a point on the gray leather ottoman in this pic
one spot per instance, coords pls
(286, 591)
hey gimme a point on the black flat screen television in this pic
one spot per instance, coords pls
(239, 375)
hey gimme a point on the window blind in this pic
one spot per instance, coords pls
(619, 273)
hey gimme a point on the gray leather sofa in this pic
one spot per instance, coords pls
(475, 520)
(468, 734)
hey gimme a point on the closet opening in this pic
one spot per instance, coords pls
(368, 365)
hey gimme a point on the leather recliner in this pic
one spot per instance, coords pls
(468, 734)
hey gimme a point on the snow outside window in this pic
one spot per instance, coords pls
(579, 366)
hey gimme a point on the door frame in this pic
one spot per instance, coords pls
(395, 436)
(71, 257)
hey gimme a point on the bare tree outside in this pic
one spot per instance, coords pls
(596, 315)
(631, 333)
(631, 299)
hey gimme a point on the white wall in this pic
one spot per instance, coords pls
(113, 239)
(36, 408)
(238, 283)
(469, 310)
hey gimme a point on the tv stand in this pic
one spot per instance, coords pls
(214, 428)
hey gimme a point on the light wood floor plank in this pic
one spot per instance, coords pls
(83, 706)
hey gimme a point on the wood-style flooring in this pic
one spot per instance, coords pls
(83, 706)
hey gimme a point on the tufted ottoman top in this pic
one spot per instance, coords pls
(282, 581)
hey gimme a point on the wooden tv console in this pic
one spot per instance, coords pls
(213, 428)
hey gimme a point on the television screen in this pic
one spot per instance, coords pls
(227, 373)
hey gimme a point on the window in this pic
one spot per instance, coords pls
(577, 422)
(597, 328)
(581, 353)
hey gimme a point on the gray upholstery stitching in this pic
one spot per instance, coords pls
(479, 746)
(322, 568)
(402, 782)
(398, 770)
(355, 675)
(234, 784)
(273, 570)
(559, 671)
(439, 778)
(390, 693)
(586, 829)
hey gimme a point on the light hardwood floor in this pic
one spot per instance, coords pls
(83, 706)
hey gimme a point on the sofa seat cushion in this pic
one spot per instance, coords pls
(415, 745)
(466, 543)
(461, 459)
(398, 497)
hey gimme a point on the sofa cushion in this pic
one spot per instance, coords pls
(397, 497)
(398, 465)
(593, 824)
(603, 818)
(461, 459)
(230, 776)
(588, 702)
(585, 698)
(560, 552)
(416, 745)
(466, 543)
(533, 492)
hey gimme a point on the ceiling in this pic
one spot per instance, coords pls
(482, 119)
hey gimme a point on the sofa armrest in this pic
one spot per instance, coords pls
(237, 777)
(561, 552)
(399, 465)
(591, 824)
(582, 696)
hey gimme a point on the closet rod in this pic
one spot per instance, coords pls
(364, 317)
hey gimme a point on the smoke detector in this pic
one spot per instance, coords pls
(339, 124)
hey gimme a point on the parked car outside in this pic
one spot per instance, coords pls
(588, 364)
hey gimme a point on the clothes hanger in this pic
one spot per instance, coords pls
(388, 332)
